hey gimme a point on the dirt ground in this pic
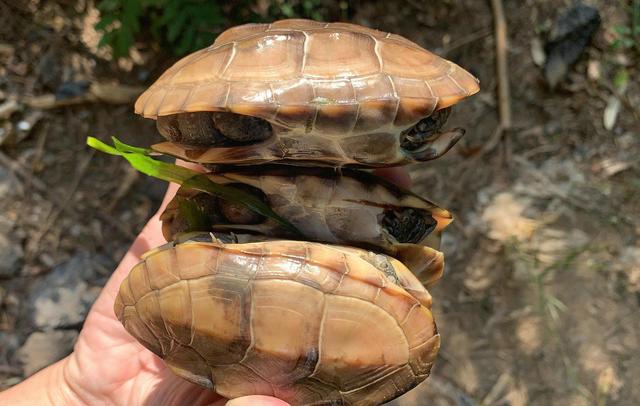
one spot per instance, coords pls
(539, 303)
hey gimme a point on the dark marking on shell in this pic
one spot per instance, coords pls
(408, 225)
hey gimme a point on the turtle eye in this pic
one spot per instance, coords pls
(241, 128)
(236, 213)
(408, 225)
(416, 136)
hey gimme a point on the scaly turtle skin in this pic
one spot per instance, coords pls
(306, 322)
(308, 93)
(348, 207)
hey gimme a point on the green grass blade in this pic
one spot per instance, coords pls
(137, 157)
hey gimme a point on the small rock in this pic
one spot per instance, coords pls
(69, 90)
(65, 306)
(44, 348)
(64, 296)
(568, 40)
(8, 184)
(11, 252)
(504, 218)
(10, 344)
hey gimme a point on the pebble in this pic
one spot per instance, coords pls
(64, 296)
(43, 348)
(11, 252)
(7, 184)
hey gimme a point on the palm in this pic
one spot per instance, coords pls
(108, 365)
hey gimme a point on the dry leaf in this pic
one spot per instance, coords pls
(503, 218)
(537, 52)
(611, 113)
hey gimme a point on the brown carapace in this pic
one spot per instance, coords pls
(306, 322)
(309, 93)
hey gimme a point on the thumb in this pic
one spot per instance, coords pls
(256, 400)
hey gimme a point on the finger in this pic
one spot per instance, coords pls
(256, 400)
(399, 176)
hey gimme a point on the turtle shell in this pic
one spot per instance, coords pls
(305, 322)
(331, 80)
(347, 207)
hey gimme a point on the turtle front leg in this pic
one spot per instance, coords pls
(424, 141)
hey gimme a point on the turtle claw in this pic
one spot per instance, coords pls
(437, 145)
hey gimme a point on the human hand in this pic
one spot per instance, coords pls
(108, 366)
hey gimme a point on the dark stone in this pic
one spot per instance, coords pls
(568, 40)
(64, 296)
(11, 252)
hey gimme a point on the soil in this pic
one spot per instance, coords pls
(541, 292)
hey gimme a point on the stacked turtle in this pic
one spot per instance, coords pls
(293, 113)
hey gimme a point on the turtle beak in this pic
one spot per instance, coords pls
(437, 145)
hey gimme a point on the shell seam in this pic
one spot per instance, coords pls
(320, 335)
(305, 51)
(226, 65)
(455, 82)
(251, 334)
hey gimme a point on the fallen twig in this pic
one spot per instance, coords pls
(113, 93)
(504, 98)
(56, 198)
(498, 388)
(504, 101)
(7, 108)
(465, 40)
(124, 186)
(32, 245)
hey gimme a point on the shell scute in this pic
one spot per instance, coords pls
(400, 59)
(266, 58)
(175, 308)
(296, 24)
(198, 371)
(318, 332)
(239, 32)
(276, 307)
(205, 96)
(220, 336)
(340, 54)
(206, 66)
(343, 352)
(297, 59)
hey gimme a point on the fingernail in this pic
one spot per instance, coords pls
(256, 400)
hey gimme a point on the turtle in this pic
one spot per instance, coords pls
(304, 92)
(294, 113)
(350, 207)
(306, 322)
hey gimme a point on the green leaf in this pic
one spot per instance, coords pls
(622, 30)
(139, 159)
(122, 147)
(107, 39)
(196, 219)
(621, 80)
(104, 22)
(176, 27)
